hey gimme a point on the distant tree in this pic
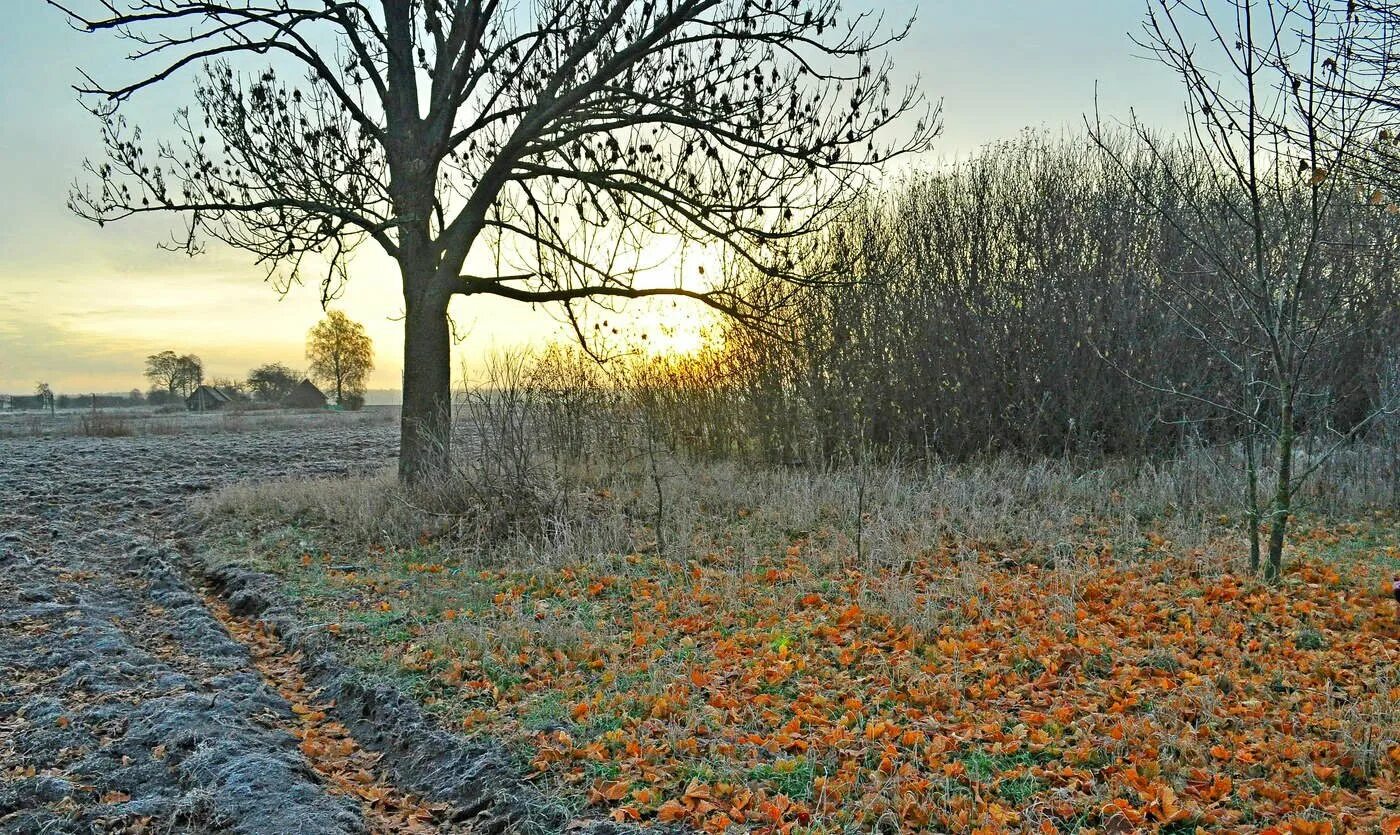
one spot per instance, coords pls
(341, 356)
(177, 374)
(272, 381)
(45, 395)
(135, 396)
(163, 370)
(565, 136)
(191, 373)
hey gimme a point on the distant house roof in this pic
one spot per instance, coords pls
(209, 397)
(304, 395)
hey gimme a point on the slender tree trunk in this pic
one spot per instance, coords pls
(1251, 463)
(1283, 495)
(427, 390)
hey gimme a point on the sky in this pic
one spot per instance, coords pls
(80, 307)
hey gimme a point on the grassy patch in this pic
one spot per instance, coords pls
(947, 677)
(792, 778)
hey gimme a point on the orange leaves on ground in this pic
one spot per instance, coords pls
(975, 689)
(672, 811)
(1208, 788)
(609, 790)
(1163, 806)
(327, 745)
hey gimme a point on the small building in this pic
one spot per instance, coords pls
(304, 395)
(209, 399)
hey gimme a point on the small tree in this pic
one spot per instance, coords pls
(1260, 191)
(163, 370)
(272, 381)
(45, 395)
(341, 356)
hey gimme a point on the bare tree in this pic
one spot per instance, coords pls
(233, 386)
(1262, 191)
(1389, 384)
(1375, 76)
(558, 136)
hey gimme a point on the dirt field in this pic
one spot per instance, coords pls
(141, 420)
(124, 704)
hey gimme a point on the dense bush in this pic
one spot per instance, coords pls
(1027, 300)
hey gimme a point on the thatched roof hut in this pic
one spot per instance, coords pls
(304, 395)
(209, 399)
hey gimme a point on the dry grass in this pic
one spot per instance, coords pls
(642, 502)
(647, 638)
(997, 645)
(648, 657)
(104, 424)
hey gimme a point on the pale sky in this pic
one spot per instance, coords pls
(80, 307)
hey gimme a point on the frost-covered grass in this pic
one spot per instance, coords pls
(1002, 645)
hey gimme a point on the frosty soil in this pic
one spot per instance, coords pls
(123, 701)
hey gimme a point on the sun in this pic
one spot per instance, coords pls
(673, 328)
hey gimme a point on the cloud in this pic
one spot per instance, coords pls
(33, 349)
(88, 327)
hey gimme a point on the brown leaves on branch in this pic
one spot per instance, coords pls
(742, 122)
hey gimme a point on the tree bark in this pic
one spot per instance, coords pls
(1283, 495)
(1252, 499)
(1251, 463)
(425, 429)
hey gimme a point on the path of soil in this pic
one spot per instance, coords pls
(125, 705)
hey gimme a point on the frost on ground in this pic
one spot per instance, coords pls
(122, 699)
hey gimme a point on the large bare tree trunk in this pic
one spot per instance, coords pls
(427, 390)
